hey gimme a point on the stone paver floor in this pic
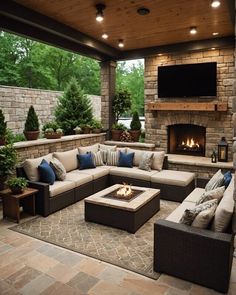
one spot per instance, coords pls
(29, 266)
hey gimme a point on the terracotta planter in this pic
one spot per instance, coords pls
(97, 131)
(2, 141)
(86, 130)
(54, 135)
(17, 190)
(115, 134)
(31, 135)
(135, 134)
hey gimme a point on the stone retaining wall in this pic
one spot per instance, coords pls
(41, 147)
(15, 102)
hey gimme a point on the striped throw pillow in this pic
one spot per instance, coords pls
(112, 158)
(217, 180)
(97, 158)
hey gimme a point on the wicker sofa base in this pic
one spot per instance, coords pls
(197, 255)
(130, 221)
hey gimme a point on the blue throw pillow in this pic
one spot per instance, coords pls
(227, 178)
(125, 160)
(46, 173)
(86, 161)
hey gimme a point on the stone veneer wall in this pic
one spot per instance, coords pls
(41, 147)
(156, 122)
(15, 102)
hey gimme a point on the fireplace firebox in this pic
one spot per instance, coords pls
(186, 139)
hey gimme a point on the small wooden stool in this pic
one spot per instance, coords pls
(12, 203)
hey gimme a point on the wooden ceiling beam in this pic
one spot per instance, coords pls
(179, 47)
(35, 22)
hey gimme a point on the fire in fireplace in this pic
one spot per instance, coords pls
(186, 139)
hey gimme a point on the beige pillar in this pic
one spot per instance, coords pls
(108, 85)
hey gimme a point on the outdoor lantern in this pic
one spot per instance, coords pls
(223, 150)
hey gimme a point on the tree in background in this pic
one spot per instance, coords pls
(132, 79)
(27, 63)
(74, 108)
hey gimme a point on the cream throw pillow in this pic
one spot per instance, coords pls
(210, 195)
(158, 160)
(203, 219)
(68, 159)
(146, 161)
(97, 158)
(31, 167)
(104, 149)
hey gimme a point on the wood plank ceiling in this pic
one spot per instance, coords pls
(167, 23)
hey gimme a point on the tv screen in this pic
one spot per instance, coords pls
(189, 80)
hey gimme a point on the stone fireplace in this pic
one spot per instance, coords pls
(209, 125)
(186, 139)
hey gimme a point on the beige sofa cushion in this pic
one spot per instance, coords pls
(132, 173)
(31, 167)
(195, 195)
(60, 187)
(137, 155)
(95, 172)
(225, 210)
(78, 178)
(68, 159)
(172, 177)
(176, 215)
(90, 148)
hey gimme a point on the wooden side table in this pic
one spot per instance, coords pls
(12, 203)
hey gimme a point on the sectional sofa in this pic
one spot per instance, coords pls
(202, 256)
(198, 255)
(82, 183)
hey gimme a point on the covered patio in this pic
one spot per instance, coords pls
(186, 128)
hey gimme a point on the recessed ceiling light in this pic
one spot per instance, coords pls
(215, 3)
(121, 43)
(104, 36)
(160, 54)
(193, 30)
(143, 11)
(99, 14)
(215, 33)
(213, 48)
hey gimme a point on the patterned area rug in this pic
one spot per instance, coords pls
(67, 228)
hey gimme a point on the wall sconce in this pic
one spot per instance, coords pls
(99, 15)
(223, 150)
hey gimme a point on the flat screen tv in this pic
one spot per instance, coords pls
(189, 80)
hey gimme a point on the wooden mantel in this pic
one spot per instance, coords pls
(188, 106)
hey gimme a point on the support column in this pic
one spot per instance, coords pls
(108, 86)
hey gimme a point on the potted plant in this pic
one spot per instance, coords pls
(17, 185)
(117, 130)
(31, 130)
(77, 130)
(3, 128)
(52, 130)
(96, 126)
(86, 128)
(8, 160)
(135, 127)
